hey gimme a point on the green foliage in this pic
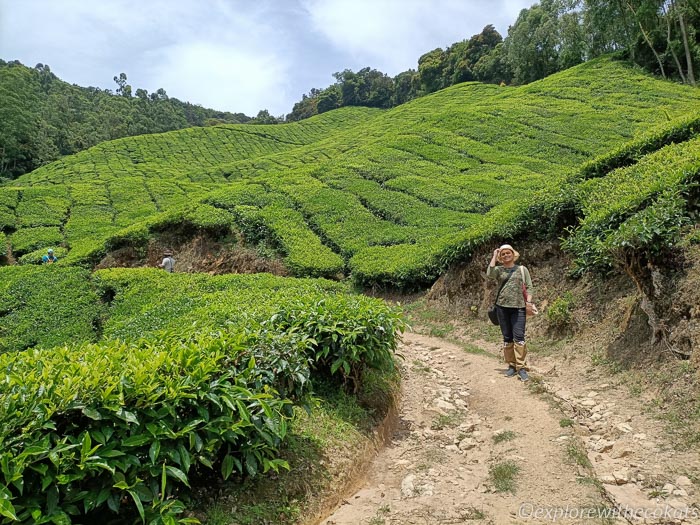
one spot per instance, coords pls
(192, 373)
(679, 130)
(46, 306)
(305, 254)
(42, 206)
(29, 239)
(636, 214)
(35, 257)
(347, 333)
(559, 313)
(350, 333)
(46, 118)
(503, 476)
(101, 427)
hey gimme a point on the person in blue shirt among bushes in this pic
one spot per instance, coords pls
(49, 258)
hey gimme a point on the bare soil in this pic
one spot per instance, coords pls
(460, 417)
(582, 444)
(198, 253)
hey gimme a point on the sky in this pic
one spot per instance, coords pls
(237, 55)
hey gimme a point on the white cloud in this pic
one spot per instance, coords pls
(222, 77)
(393, 34)
(236, 55)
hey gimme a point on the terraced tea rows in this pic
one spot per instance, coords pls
(391, 196)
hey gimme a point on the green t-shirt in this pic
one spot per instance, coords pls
(512, 293)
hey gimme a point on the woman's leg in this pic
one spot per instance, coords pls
(505, 322)
(520, 348)
(517, 323)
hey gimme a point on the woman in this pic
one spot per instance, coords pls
(510, 305)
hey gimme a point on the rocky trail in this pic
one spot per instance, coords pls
(473, 446)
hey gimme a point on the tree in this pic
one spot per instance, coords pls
(329, 99)
(264, 117)
(381, 89)
(306, 107)
(431, 69)
(406, 86)
(679, 9)
(532, 43)
(123, 88)
(607, 26)
(494, 67)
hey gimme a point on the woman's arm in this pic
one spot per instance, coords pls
(528, 284)
(492, 271)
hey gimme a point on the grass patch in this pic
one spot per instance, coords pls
(473, 349)
(420, 367)
(472, 513)
(577, 455)
(503, 476)
(502, 437)
(536, 385)
(565, 423)
(440, 330)
(378, 518)
(589, 480)
(436, 455)
(445, 421)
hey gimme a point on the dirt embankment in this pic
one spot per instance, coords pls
(197, 253)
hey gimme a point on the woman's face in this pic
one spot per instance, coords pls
(506, 256)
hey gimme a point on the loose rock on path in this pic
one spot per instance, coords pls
(460, 419)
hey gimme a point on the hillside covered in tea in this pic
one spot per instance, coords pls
(388, 196)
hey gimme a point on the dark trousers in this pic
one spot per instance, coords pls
(512, 322)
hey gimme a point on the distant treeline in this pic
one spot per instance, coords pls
(660, 35)
(44, 118)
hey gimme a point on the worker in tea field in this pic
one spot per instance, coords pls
(49, 258)
(168, 263)
(513, 303)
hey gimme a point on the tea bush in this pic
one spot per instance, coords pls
(46, 306)
(559, 313)
(191, 373)
(97, 427)
(305, 254)
(680, 130)
(639, 208)
(349, 333)
(36, 256)
(29, 239)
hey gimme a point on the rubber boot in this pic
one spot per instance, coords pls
(520, 351)
(509, 357)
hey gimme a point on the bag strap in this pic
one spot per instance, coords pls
(504, 283)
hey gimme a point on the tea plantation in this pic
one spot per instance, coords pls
(390, 197)
(123, 387)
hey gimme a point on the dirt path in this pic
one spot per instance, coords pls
(460, 419)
